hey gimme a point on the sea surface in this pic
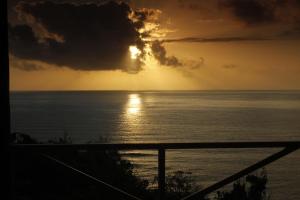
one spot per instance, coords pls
(173, 116)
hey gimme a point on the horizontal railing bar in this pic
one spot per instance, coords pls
(153, 146)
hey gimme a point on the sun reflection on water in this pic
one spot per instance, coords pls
(134, 104)
(132, 118)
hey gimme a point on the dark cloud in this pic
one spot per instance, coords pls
(194, 64)
(251, 11)
(285, 13)
(82, 36)
(159, 52)
(26, 65)
(293, 33)
(217, 39)
(263, 12)
(188, 5)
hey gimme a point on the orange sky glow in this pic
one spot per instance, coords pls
(272, 62)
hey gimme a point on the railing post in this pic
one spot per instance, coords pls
(161, 173)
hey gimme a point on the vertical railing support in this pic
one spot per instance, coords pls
(161, 173)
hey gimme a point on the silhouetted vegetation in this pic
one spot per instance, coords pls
(253, 187)
(37, 177)
(179, 184)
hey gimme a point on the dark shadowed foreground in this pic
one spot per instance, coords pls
(37, 177)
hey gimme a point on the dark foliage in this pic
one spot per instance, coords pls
(179, 184)
(252, 188)
(39, 178)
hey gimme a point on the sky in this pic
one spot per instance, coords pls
(154, 45)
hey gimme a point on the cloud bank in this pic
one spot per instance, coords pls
(80, 36)
(217, 39)
(96, 36)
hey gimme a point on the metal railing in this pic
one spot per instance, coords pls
(288, 147)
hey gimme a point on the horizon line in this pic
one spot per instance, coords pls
(156, 90)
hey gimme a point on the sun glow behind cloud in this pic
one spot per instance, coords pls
(134, 52)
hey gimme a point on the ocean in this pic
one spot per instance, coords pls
(173, 116)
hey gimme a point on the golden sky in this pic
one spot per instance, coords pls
(177, 45)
